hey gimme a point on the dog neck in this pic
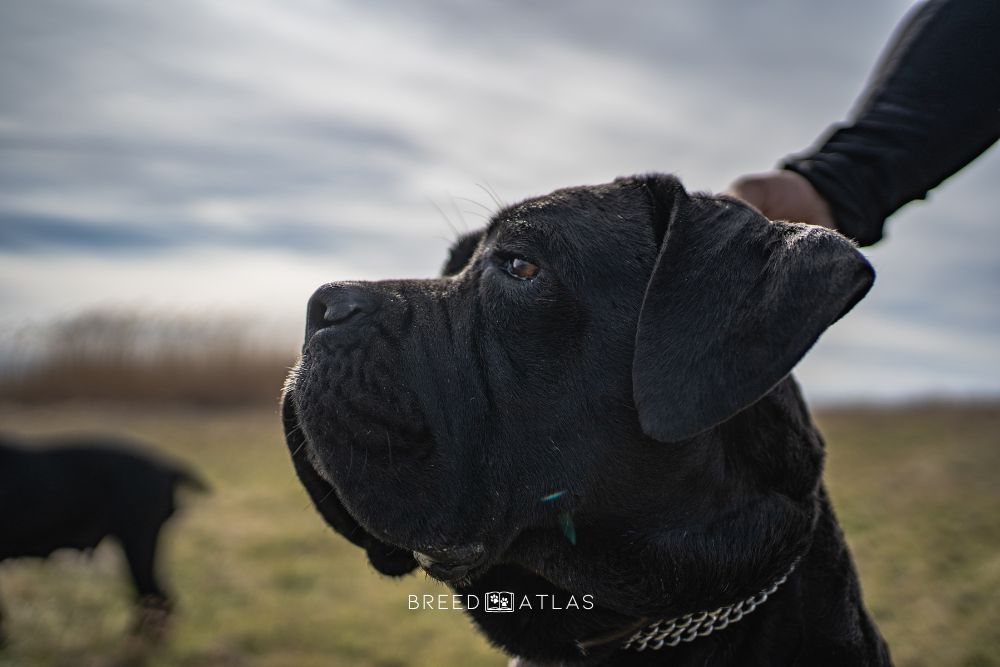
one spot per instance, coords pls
(811, 609)
(668, 633)
(814, 616)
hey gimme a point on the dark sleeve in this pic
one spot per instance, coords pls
(931, 107)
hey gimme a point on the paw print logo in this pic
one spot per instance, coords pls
(499, 601)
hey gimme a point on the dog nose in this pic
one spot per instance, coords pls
(341, 306)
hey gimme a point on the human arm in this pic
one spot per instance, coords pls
(931, 107)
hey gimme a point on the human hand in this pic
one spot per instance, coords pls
(784, 195)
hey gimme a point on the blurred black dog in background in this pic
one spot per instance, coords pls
(72, 492)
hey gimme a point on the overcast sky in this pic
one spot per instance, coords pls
(231, 156)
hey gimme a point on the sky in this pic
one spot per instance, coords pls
(226, 158)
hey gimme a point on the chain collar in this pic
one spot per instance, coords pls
(689, 627)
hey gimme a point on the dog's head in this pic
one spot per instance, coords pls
(583, 388)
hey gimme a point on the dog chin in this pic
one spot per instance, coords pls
(454, 564)
(387, 558)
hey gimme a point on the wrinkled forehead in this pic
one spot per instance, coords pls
(574, 222)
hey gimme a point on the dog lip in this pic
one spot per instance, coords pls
(317, 337)
(453, 564)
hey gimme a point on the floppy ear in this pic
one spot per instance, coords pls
(733, 303)
(461, 252)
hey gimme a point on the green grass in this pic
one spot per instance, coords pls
(261, 581)
(918, 494)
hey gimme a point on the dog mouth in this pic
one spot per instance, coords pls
(456, 565)
(451, 564)
(387, 558)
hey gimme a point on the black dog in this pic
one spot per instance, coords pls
(596, 401)
(74, 492)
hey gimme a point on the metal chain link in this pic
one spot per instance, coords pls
(689, 627)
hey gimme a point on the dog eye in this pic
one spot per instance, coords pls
(521, 268)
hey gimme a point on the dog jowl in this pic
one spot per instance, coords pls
(595, 400)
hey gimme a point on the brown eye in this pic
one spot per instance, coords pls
(521, 269)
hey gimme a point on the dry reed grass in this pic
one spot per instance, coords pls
(132, 357)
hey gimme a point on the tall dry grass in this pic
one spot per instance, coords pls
(127, 356)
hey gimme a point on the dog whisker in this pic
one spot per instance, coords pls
(327, 496)
(388, 444)
(491, 193)
(458, 212)
(298, 449)
(454, 230)
(481, 216)
(486, 209)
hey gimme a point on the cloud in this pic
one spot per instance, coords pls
(33, 234)
(139, 137)
(29, 231)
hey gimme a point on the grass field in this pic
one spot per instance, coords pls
(260, 580)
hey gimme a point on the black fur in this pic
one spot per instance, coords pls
(71, 493)
(643, 373)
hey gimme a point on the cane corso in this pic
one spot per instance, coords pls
(72, 492)
(594, 405)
